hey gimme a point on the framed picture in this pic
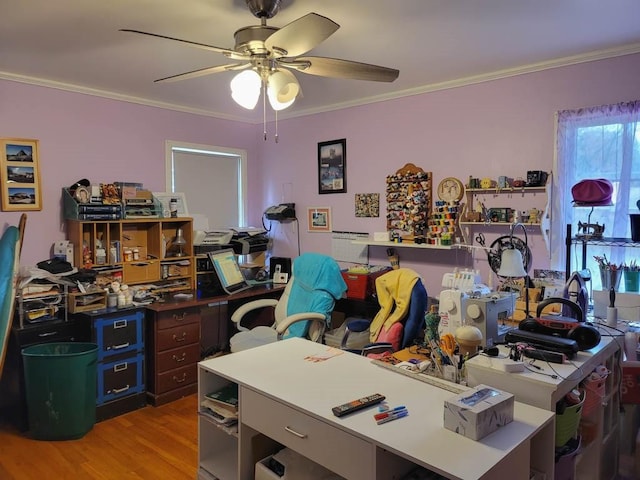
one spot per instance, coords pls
(20, 174)
(165, 200)
(332, 166)
(367, 204)
(319, 219)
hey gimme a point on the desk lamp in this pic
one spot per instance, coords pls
(512, 264)
(178, 243)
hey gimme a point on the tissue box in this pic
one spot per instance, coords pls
(478, 412)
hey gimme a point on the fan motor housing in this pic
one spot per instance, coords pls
(264, 8)
(250, 40)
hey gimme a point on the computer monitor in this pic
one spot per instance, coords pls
(228, 271)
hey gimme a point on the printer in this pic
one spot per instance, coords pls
(249, 240)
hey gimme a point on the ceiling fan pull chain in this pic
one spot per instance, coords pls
(264, 110)
(276, 135)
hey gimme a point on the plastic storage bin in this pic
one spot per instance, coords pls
(60, 387)
(567, 422)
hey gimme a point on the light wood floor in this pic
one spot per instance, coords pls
(149, 443)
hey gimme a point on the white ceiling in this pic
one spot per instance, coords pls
(76, 45)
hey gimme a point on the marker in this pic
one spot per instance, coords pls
(386, 413)
(393, 416)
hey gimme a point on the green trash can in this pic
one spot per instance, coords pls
(60, 386)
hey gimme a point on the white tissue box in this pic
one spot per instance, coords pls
(381, 236)
(478, 412)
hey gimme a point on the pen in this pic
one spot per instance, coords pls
(393, 416)
(380, 416)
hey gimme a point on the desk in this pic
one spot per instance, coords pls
(598, 459)
(180, 332)
(285, 400)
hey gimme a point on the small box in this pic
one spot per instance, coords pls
(381, 236)
(478, 412)
(362, 285)
(63, 249)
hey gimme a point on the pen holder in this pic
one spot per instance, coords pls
(631, 280)
(610, 278)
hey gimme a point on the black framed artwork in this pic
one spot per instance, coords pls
(332, 166)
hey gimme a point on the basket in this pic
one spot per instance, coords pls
(567, 422)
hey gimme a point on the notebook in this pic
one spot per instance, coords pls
(228, 271)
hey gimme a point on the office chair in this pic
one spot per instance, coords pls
(303, 310)
(403, 304)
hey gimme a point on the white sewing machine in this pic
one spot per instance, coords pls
(459, 286)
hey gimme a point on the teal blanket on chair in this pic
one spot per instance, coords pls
(8, 271)
(316, 284)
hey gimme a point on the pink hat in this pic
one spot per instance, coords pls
(593, 192)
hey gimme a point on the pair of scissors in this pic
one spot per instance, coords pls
(448, 345)
(480, 239)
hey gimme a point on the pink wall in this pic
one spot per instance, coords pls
(104, 141)
(502, 127)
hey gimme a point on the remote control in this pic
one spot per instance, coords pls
(355, 405)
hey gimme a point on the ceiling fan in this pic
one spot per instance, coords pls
(265, 55)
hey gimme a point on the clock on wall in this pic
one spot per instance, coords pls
(450, 190)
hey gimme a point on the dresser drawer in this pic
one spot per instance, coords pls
(174, 318)
(176, 378)
(117, 334)
(178, 336)
(143, 271)
(120, 378)
(179, 357)
(316, 440)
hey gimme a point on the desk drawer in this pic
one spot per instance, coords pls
(120, 333)
(142, 271)
(179, 357)
(178, 336)
(177, 317)
(341, 452)
(179, 377)
(120, 378)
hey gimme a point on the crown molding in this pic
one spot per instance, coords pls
(460, 82)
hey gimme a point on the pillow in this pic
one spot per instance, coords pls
(392, 336)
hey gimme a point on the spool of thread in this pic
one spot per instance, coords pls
(612, 316)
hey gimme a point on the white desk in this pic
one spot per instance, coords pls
(599, 453)
(285, 398)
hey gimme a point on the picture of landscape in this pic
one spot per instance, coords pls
(19, 153)
(20, 173)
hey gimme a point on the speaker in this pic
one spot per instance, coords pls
(584, 334)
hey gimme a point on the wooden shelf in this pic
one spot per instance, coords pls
(371, 243)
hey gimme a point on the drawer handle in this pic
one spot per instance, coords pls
(180, 318)
(293, 432)
(180, 359)
(180, 380)
(118, 347)
(48, 334)
(120, 367)
(120, 390)
(120, 324)
(181, 339)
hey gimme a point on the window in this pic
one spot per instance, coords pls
(213, 179)
(597, 142)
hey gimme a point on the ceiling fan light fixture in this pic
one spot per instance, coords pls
(245, 89)
(282, 89)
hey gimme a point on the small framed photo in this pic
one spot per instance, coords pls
(165, 200)
(20, 174)
(332, 166)
(319, 219)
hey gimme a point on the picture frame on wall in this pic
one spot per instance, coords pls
(332, 166)
(319, 219)
(20, 174)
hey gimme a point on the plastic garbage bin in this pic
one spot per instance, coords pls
(60, 386)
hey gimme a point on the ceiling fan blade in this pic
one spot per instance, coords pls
(335, 67)
(227, 52)
(203, 71)
(301, 35)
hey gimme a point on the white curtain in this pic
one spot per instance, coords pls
(597, 142)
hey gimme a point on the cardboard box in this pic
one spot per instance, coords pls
(63, 249)
(628, 305)
(478, 412)
(362, 285)
(630, 386)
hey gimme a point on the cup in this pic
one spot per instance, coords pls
(632, 280)
(610, 278)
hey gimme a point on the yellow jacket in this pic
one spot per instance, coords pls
(394, 294)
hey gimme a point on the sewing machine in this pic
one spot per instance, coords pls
(459, 285)
(590, 230)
